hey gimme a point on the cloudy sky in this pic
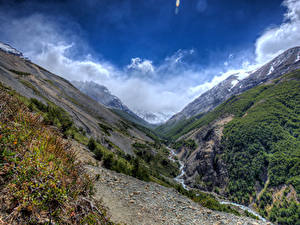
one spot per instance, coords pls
(153, 59)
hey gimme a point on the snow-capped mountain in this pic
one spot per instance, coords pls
(8, 49)
(102, 95)
(153, 118)
(238, 83)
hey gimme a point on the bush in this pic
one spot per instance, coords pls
(92, 144)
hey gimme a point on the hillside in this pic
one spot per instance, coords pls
(248, 149)
(41, 181)
(32, 81)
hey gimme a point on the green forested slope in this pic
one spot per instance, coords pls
(263, 144)
(261, 147)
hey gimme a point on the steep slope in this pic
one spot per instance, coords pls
(234, 85)
(41, 181)
(102, 95)
(248, 148)
(32, 81)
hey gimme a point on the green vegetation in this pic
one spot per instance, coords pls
(20, 73)
(174, 131)
(40, 181)
(248, 214)
(106, 129)
(29, 85)
(139, 124)
(157, 161)
(267, 138)
(263, 140)
(119, 162)
(53, 115)
(282, 210)
(206, 200)
(190, 144)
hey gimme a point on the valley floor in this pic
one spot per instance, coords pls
(135, 202)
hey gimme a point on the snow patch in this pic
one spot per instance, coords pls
(7, 48)
(271, 70)
(234, 82)
(298, 58)
(243, 74)
(153, 117)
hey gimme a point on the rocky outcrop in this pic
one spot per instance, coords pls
(204, 168)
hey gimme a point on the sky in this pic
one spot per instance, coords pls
(154, 59)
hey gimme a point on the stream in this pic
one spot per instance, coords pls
(179, 179)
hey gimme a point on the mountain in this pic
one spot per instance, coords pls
(248, 148)
(234, 85)
(102, 95)
(153, 118)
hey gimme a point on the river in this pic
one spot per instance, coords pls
(179, 179)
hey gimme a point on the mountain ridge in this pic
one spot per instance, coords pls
(288, 60)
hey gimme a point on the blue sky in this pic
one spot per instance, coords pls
(119, 30)
(152, 58)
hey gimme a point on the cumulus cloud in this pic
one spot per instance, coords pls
(278, 39)
(139, 65)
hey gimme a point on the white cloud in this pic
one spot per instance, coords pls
(139, 65)
(278, 39)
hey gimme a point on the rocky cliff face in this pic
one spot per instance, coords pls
(234, 85)
(204, 170)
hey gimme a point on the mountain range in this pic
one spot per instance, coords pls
(237, 84)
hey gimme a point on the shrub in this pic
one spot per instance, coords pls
(92, 144)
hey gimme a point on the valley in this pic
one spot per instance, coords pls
(236, 161)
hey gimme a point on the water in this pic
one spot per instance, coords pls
(245, 208)
(179, 179)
